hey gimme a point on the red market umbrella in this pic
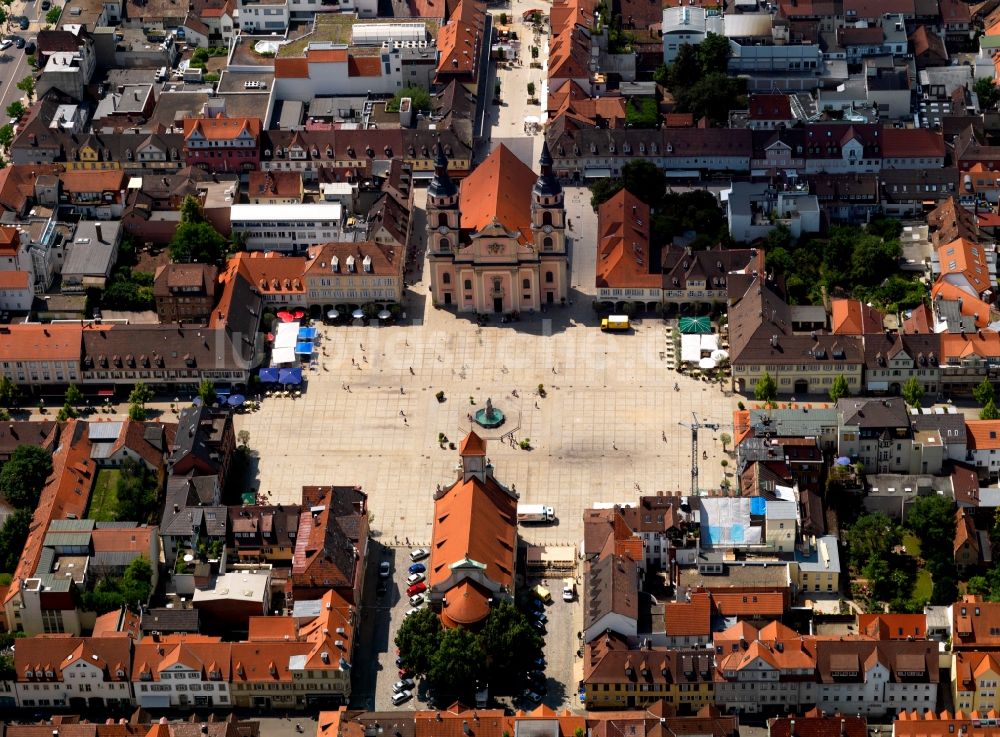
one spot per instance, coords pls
(299, 314)
(285, 316)
(270, 336)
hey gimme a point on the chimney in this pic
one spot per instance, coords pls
(97, 229)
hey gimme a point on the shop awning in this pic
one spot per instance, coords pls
(700, 325)
(596, 173)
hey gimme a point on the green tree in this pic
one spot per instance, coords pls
(206, 390)
(984, 392)
(136, 491)
(418, 640)
(420, 99)
(662, 75)
(725, 438)
(990, 411)
(839, 388)
(191, 211)
(27, 86)
(73, 395)
(603, 190)
(871, 536)
(243, 436)
(67, 411)
(531, 90)
(978, 586)
(6, 135)
(711, 96)
(913, 392)
(457, 662)
(140, 394)
(765, 390)
(713, 54)
(137, 412)
(197, 243)
(509, 642)
(24, 475)
(13, 535)
(932, 519)
(645, 180)
(987, 92)
(52, 17)
(9, 392)
(16, 109)
(686, 67)
(137, 582)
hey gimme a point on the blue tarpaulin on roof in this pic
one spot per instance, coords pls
(304, 348)
(307, 333)
(290, 376)
(268, 375)
(758, 505)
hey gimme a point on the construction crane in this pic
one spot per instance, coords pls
(695, 427)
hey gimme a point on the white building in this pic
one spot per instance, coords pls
(686, 24)
(16, 291)
(73, 670)
(287, 228)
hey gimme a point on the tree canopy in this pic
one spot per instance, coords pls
(839, 388)
(510, 643)
(418, 639)
(871, 536)
(988, 93)
(984, 392)
(913, 392)
(420, 99)
(136, 491)
(642, 112)
(456, 665)
(24, 475)
(990, 411)
(197, 242)
(765, 390)
(206, 390)
(131, 589)
(699, 80)
(13, 535)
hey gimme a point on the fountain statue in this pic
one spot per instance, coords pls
(489, 417)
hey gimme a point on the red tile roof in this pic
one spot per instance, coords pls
(749, 605)
(689, 618)
(976, 624)
(623, 257)
(893, 626)
(911, 142)
(499, 189)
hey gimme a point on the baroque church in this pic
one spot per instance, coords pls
(496, 242)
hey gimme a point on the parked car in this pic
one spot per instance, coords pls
(406, 684)
(418, 568)
(414, 578)
(417, 588)
(405, 673)
(384, 569)
(46, 4)
(531, 695)
(400, 697)
(6, 44)
(30, 48)
(418, 554)
(411, 610)
(19, 43)
(416, 600)
(540, 626)
(540, 616)
(399, 662)
(23, 23)
(539, 662)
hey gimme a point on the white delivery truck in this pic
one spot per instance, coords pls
(535, 513)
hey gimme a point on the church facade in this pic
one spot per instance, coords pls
(497, 242)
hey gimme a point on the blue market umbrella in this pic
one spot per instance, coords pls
(843, 461)
(236, 400)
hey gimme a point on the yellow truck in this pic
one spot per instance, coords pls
(615, 322)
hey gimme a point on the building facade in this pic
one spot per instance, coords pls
(498, 243)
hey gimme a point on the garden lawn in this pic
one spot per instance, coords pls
(912, 544)
(104, 499)
(923, 586)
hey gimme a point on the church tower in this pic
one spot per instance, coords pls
(442, 208)
(548, 230)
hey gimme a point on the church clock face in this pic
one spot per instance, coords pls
(443, 229)
(547, 228)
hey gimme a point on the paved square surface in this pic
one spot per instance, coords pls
(597, 435)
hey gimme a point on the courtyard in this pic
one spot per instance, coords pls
(606, 429)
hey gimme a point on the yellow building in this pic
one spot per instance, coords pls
(818, 568)
(974, 679)
(618, 678)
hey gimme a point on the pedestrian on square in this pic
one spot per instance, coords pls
(401, 390)
(411, 371)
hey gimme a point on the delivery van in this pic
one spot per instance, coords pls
(535, 513)
(615, 322)
(569, 589)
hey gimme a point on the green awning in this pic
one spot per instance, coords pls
(696, 325)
